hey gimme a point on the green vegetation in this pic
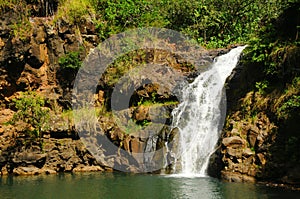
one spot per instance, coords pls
(32, 113)
(277, 42)
(155, 102)
(212, 23)
(262, 86)
(19, 24)
(289, 103)
(9, 4)
(117, 16)
(70, 60)
(74, 10)
(122, 65)
(270, 28)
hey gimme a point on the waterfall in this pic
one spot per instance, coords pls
(199, 115)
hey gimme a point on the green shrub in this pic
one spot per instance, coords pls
(117, 16)
(262, 86)
(292, 105)
(268, 46)
(217, 23)
(70, 60)
(31, 111)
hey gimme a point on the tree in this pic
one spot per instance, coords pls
(31, 111)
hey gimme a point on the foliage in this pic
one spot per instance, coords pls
(292, 104)
(31, 110)
(123, 64)
(19, 21)
(211, 23)
(70, 60)
(291, 101)
(10, 4)
(74, 10)
(262, 86)
(118, 16)
(271, 43)
(21, 29)
(219, 23)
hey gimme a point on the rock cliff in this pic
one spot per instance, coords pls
(34, 61)
(259, 140)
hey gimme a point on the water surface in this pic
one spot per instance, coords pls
(119, 185)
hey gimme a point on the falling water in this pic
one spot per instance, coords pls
(199, 116)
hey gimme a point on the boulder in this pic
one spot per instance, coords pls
(236, 177)
(30, 170)
(252, 137)
(29, 157)
(84, 168)
(234, 141)
(142, 113)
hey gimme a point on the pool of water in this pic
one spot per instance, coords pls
(118, 185)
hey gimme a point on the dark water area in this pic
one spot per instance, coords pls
(118, 185)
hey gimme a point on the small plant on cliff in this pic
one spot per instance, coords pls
(32, 113)
(71, 60)
(19, 24)
(262, 86)
(292, 105)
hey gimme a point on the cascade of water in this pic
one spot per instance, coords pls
(199, 116)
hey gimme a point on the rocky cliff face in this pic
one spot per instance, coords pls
(260, 139)
(29, 61)
(251, 147)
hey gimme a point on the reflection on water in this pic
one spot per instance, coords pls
(194, 187)
(116, 185)
(247, 191)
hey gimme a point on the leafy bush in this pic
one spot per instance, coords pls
(219, 23)
(117, 16)
(31, 110)
(70, 60)
(269, 45)
(212, 23)
(262, 86)
(292, 105)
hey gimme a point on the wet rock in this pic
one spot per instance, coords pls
(252, 137)
(31, 170)
(237, 152)
(48, 171)
(292, 177)
(234, 141)
(142, 113)
(237, 177)
(4, 171)
(29, 157)
(83, 168)
(137, 146)
(261, 158)
(36, 56)
(248, 152)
